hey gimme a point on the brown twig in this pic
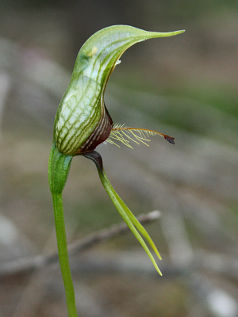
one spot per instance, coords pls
(31, 264)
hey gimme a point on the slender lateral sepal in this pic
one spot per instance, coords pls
(135, 226)
(59, 165)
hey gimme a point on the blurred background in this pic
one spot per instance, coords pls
(185, 86)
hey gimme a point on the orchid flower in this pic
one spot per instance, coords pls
(82, 122)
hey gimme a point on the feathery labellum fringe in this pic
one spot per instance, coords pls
(127, 135)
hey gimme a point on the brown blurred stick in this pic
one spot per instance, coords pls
(31, 264)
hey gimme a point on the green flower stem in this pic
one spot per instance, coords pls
(59, 165)
(63, 254)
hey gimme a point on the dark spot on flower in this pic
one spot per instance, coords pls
(170, 139)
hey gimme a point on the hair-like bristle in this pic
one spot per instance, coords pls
(126, 135)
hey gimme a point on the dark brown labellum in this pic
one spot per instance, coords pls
(99, 135)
